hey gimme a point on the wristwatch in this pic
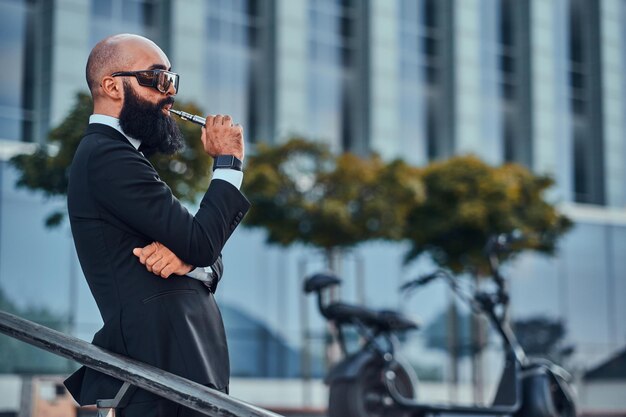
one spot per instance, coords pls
(228, 162)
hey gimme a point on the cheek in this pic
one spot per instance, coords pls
(147, 95)
(153, 99)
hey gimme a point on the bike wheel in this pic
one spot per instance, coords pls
(367, 396)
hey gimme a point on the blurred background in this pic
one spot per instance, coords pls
(538, 82)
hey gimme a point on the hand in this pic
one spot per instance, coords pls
(161, 261)
(221, 137)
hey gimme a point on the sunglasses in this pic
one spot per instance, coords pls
(159, 79)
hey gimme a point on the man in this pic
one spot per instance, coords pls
(118, 205)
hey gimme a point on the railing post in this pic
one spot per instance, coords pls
(107, 412)
(108, 408)
(26, 397)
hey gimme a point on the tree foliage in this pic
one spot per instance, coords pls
(47, 169)
(467, 201)
(300, 192)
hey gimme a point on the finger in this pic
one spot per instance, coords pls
(203, 136)
(167, 271)
(158, 267)
(150, 249)
(152, 259)
(209, 120)
(147, 251)
(227, 121)
(167, 260)
(139, 254)
(219, 119)
(168, 257)
(155, 250)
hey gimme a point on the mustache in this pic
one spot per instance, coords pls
(166, 101)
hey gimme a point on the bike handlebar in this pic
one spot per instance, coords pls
(496, 244)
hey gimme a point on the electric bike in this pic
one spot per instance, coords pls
(375, 381)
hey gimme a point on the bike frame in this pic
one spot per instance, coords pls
(515, 357)
(514, 361)
(522, 385)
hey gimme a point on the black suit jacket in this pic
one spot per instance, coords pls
(117, 202)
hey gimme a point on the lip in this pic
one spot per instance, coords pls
(166, 109)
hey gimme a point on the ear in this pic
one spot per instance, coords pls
(112, 87)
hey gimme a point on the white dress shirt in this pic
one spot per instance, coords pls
(230, 175)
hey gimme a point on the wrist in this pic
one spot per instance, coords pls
(227, 162)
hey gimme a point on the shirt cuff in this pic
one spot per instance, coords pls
(202, 274)
(229, 175)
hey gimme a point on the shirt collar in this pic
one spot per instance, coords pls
(115, 124)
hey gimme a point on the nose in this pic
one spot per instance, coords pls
(172, 90)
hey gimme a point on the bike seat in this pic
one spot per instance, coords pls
(394, 320)
(385, 320)
(320, 281)
(347, 313)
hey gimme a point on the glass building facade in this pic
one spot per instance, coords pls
(540, 82)
(17, 88)
(109, 17)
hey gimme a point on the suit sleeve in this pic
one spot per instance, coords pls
(128, 187)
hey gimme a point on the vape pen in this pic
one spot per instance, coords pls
(190, 117)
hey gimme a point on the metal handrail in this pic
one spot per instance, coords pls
(167, 385)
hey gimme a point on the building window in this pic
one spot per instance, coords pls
(586, 102)
(234, 58)
(17, 19)
(507, 50)
(109, 17)
(420, 72)
(331, 77)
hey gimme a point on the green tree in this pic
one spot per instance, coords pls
(468, 200)
(302, 193)
(46, 170)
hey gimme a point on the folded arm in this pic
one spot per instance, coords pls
(127, 186)
(162, 262)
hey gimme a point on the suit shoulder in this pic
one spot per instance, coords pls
(95, 146)
(105, 156)
(97, 142)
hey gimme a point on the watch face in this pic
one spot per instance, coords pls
(227, 161)
(224, 161)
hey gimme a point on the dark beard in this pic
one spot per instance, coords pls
(146, 122)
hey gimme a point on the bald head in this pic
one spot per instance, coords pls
(115, 53)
